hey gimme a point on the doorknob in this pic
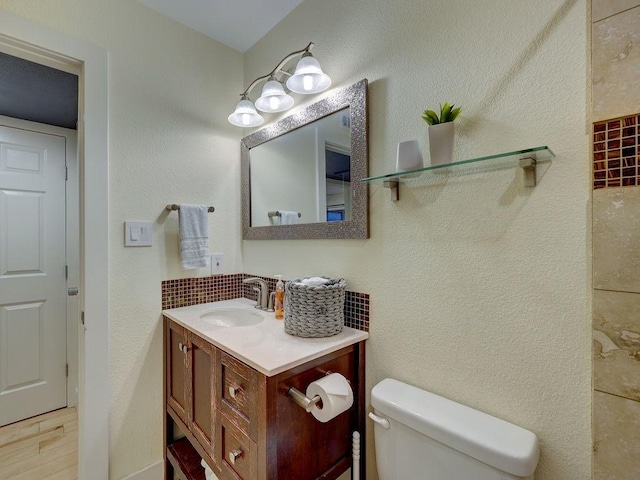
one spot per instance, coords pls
(72, 291)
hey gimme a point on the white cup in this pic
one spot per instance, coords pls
(409, 156)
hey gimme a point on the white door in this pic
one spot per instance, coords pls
(32, 274)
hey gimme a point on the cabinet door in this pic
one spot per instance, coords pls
(177, 373)
(201, 392)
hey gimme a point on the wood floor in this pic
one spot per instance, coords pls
(39, 448)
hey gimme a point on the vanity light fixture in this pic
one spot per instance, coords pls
(308, 78)
(274, 98)
(245, 114)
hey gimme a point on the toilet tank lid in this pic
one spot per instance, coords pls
(493, 441)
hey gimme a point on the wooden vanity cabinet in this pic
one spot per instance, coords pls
(255, 430)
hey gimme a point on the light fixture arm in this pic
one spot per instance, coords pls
(278, 69)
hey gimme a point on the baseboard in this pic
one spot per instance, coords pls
(155, 471)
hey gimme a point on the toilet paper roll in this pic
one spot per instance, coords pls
(336, 395)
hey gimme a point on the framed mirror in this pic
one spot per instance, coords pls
(301, 175)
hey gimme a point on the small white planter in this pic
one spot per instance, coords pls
(441, 143)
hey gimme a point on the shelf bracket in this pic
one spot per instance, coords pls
(394, 189)
(528, 165)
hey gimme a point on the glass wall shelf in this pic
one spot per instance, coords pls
(527, 159)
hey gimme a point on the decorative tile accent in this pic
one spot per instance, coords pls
(184, 292)
(616, 438)
(616, 152)
(616, 65)
(616, 343)
(356, 310)
(616, 239)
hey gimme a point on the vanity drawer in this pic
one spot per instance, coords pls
(238, 393)
(236, 453)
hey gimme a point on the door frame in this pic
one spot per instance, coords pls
(37, 43)
(72, 237)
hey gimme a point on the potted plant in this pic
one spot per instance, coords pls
(441, 133)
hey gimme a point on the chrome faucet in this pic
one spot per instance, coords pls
(263, 294)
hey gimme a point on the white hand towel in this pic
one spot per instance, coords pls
(314, 281)
(288, 217)
(194, 236)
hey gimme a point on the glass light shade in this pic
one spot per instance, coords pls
(245, 115)
(308, 77)
(274, 98)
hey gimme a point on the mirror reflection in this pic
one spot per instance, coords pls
(303, 176)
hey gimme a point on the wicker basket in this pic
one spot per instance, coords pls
(314, 311)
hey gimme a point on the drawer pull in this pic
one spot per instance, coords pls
(233, 391)
(183, 348)
(234, 455)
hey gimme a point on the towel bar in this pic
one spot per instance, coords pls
(177, 207)
(277, 213)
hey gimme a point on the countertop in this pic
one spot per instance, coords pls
(265, 346)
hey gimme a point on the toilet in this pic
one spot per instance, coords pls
(422, 436)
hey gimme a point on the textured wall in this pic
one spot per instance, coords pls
(170, 91)
(480, 288)
(616, 230)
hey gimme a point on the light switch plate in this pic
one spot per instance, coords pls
(217, 263)
(138, 234)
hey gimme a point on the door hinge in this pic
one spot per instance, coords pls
(66, 272)
(67, 370)
(82, 318)
(66, 173)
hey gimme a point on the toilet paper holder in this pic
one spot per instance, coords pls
(302, 400)
(305, 402)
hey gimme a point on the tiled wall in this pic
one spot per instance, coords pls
(616, 238)
(192, 291)
(616, 333)
(615, 56)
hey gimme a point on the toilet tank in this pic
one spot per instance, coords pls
(432, 438)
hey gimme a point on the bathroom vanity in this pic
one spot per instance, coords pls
(227, 401)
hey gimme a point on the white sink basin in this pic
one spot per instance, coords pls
(231, 317)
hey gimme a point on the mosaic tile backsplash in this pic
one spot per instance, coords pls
(185, 292)
(616, 152)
